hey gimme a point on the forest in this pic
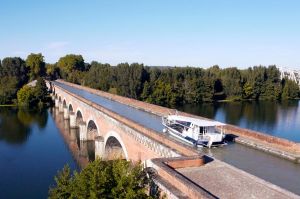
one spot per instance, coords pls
(166, 86)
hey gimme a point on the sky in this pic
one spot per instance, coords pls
(202, 33)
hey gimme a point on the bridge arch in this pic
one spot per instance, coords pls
(70, 108)
(79, 117)
(92, 130)
(59, 99)
(55, 95)
(114, 146)
(64, 103)
(92, 126)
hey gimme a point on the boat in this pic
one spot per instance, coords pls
(199, 132)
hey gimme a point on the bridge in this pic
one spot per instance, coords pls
(108, 126)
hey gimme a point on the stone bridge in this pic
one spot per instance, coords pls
(94, 130)
(110, 135)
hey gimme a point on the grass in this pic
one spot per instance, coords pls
(7, 105)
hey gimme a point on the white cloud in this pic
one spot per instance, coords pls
(57, 45)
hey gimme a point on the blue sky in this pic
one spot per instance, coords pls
(155, 32)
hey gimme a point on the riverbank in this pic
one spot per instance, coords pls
(267, 143)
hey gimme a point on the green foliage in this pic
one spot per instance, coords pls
(102, 179)
(290, 90)
(14, 67)
(8, 89)
(41, 90)
(52, 71)
(13, 75)
(70, 63)
(130, 79)
(247, 91)
(36, 65)
(33, 96)
(99, 76)
(26, 96)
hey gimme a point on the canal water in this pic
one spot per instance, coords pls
(280, 119)
(32, 150)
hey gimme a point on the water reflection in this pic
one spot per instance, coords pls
(31, 153)
(280, 119)
(15, 125)
(82, 151)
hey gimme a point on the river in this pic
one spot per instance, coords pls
(34, 145)
(280, 119)
(32, 150)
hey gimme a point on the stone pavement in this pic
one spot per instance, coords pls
(225, 181)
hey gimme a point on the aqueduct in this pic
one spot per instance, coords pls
(105, 133)
(91, 130)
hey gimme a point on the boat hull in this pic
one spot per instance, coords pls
(198, 143)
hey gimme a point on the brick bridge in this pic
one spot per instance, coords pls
(109, 135)
(114, 135)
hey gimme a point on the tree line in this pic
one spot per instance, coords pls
(16, 73)
(166, 86)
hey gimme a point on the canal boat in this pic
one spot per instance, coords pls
(198, 132)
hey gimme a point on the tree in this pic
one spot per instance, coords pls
(41, 90)
(8, 89)
(102, 179)
(71, 62)
(14, 67)
(290, 90)
(247, 91)
(99, 76)
(52, 71)
(130, 79)
(33, 96)
(36, 65)
(26, 96)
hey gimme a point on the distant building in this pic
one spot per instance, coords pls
(291, 74)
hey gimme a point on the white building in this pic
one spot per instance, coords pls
(292, 74)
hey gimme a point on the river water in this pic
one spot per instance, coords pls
(32, 150)
(34, 145)
(280, 119)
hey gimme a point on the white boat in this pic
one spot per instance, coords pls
(195, 131)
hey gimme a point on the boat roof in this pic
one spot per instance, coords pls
(195, 121)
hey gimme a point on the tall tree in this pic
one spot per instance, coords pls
(14, 66)
(100, 179)
(71, 62)
(290, 90)
(36, 65)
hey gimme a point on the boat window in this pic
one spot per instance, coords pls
(201, 130)
(183, 123)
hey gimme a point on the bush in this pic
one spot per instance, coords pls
(26, 96)
(33, 96)
(102, 179)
